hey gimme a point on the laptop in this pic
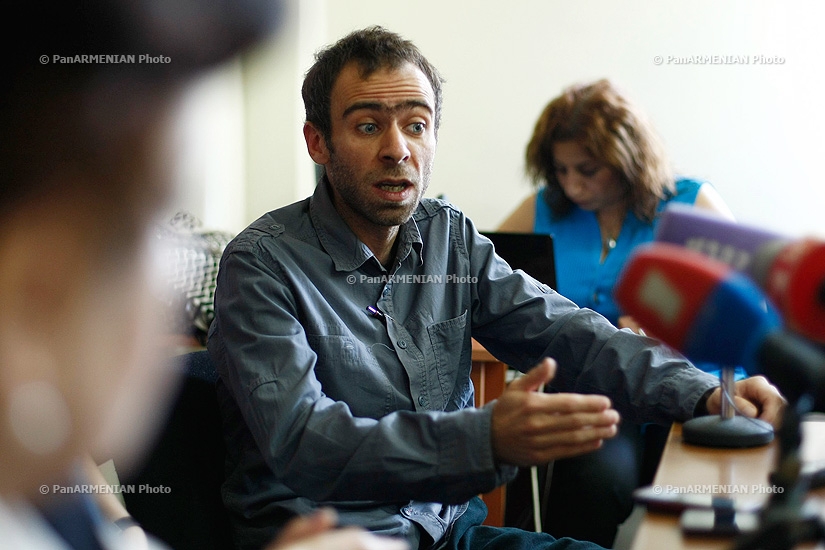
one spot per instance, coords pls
(530, 252)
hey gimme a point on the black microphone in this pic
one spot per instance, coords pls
(795, 366)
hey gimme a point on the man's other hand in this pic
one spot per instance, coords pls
(531, 427)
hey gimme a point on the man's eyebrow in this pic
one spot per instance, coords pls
(378, 106)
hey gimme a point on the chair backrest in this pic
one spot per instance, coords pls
(182, 476)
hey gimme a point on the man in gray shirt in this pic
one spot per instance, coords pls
(343, 336)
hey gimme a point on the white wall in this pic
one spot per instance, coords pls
(211, 150)
(754, 130)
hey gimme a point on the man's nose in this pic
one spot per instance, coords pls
(394, 147)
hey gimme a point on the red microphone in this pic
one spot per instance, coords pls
(699, 306)
(793, 276)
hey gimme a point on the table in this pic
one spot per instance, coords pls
(488, 376)
(686, 466)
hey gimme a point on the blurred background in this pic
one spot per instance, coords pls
(756, 130)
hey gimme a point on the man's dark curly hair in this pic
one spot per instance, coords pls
(372, 49)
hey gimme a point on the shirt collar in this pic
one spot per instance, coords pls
(346, 250)
(410, 239)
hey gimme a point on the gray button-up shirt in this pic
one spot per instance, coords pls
(372, 409)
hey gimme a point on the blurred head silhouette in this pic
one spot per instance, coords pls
(83, 151)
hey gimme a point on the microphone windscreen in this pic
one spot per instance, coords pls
(794, 278)
(695, 304)
(791, 272)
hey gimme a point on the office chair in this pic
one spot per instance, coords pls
(188, 459)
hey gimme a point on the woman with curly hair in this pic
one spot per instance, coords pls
(602, 179)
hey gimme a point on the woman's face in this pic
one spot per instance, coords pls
(588, 182)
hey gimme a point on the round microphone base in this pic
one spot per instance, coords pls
(736, 432)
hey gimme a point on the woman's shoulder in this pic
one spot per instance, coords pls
(522, 219)
(697, 192)
(687, 187)
(684, 190)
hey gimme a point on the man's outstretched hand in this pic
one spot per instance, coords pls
(530, 427)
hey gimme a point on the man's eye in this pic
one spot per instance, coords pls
(589, 172)
(417, 127)
(368, 128)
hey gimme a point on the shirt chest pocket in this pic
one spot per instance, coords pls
(451, 361)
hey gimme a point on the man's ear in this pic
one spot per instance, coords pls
(316, 144)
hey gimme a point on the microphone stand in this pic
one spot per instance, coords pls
(727, 429)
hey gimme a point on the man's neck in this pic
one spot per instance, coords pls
(381, 241)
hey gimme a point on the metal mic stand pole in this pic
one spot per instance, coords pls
(727, 429)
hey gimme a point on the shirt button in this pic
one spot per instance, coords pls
(386, 291)
(422, 401)
(402, 344)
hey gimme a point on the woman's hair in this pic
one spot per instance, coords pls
(611, 129)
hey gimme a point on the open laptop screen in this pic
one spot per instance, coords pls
(530, 252)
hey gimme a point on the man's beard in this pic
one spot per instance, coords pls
(355, 193)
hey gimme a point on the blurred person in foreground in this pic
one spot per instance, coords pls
(84, 156)
(603, 179)
(343, 327)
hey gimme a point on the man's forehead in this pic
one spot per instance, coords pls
(386, 87)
